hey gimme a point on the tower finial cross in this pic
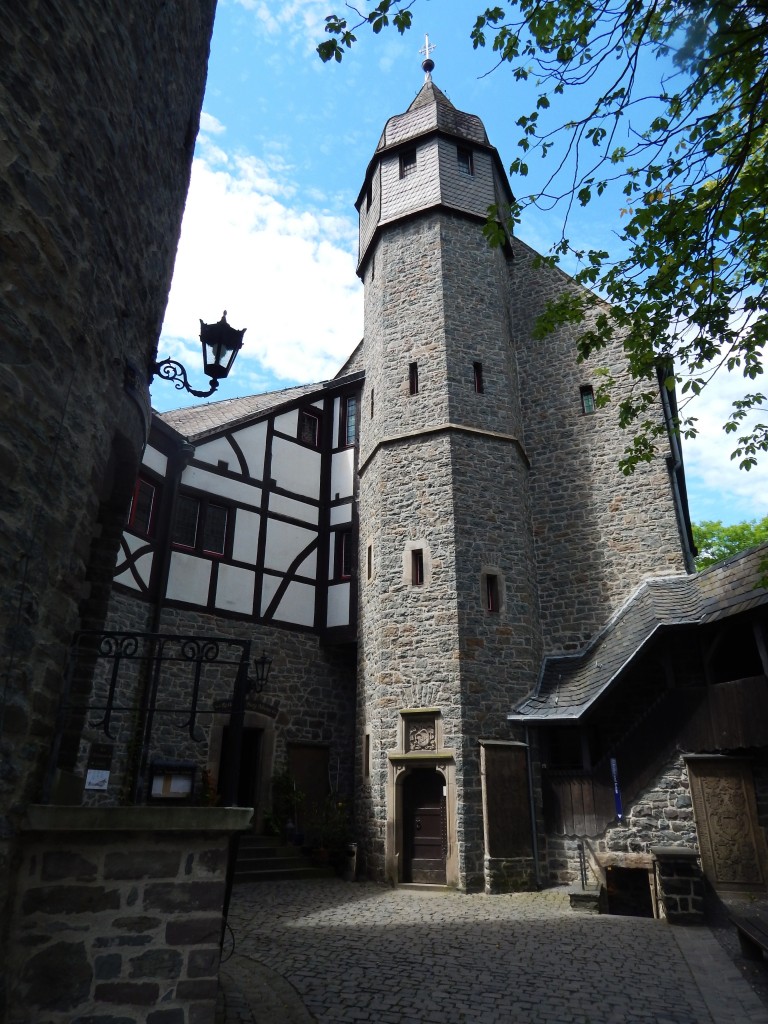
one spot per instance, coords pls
(428, 64)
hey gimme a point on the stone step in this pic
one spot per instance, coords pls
(266, 858)
(282, 874)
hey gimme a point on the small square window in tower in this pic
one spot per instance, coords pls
(417, 567)
(408, 162)
(413, 378)
(465, 161)
(309, 428)
(492, 596)
(587, 399)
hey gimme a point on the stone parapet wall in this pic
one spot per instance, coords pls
(116, 917)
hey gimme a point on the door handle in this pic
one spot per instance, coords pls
(418, 824)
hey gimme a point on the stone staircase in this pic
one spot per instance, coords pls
(267, 859)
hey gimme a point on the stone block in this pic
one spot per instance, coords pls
(156, 963)
(108, 967)
(70, 899)
(58, 977)
(128, 993)
(170, 897)
(137, 924)
(193, 931)
(198, 989)
(155, 863)
(202, 963)
(175, 1016)
(60, 865)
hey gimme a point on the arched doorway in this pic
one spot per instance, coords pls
(424, 827)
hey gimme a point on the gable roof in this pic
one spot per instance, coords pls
(569, 684)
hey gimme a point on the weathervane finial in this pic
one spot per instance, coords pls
(427, 64)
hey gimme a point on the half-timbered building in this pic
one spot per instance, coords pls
(487, 643)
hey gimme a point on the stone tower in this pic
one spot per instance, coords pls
(495, 526)
(449, 632)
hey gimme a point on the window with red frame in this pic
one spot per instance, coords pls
(141, 515)
(200, 525)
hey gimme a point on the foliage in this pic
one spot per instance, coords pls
(287, 801)
(687, 288)
(716, 542)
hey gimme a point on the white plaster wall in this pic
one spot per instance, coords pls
(219, 448)
(284, 542)
(295, 509)
(234, 588)
(288, 422)
(213, 484)
(155, 460)
(269, 587)
(297, 605)
(341, 514)
(342, 468)
(252, 442)
(338, 605)
(133, 542)
(126, 578)
(296, 468)
(309, 566)
(189, 578)
(246, 538)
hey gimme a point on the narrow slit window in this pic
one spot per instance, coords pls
(413, 378)
(477, 375)
(369, 561)
(367, 756)
(349, 428)
(344, 552)
(371, 403)
(491, 592)
(465, 161)
(408, 162)
(417, 567)
(587, 399)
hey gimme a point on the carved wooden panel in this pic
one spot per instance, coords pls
(731, 841)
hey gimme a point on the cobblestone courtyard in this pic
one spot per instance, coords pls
(342, 953)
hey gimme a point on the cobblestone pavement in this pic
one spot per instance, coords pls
(344, 953)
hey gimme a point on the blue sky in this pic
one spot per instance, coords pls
(270, 230)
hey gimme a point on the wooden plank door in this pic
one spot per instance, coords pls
(424, 832)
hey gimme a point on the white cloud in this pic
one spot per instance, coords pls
(284, 272)
(210, 124)
(307, 17)
(718, 489)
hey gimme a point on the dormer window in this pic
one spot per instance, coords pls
(408, 162)
(465, 161)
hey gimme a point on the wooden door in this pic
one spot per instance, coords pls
(248, 769)
(424, 832)
(733, 853)
(308, 766)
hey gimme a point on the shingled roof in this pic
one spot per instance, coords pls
(199, 421)
(569, 684)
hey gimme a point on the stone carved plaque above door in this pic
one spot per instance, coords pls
(732, 846)
(421, 734)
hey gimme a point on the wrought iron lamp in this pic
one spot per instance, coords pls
(262, 666)
(221, 343)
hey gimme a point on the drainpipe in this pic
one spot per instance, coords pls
(675, 468)
(532, 804)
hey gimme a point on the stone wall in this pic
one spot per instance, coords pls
(99, 109)
(598, 533)
(661, 816)
(118, 915)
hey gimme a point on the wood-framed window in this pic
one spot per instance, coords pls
(348, 431)
(587, 399)
(408, 162)
(477, 378)
(309, 427)
(413, 378)
(200, 525)
(417, 567)
(141, 515)
(465, 161)
(344, 555)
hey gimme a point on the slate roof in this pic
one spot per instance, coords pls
(431, 110)
(569, 684)
(199, 421)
